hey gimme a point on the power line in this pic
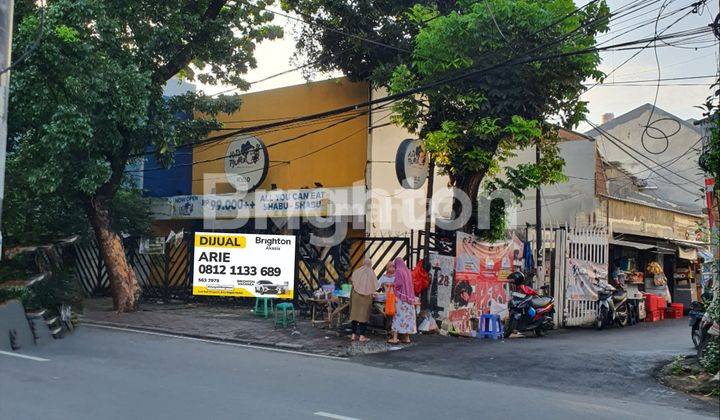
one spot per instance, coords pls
(395, 97)
(312, 152)
(33, 47)
(410, 92)
(612, 139)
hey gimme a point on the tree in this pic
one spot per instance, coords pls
(89, 99)
(710, 163)
(471, 125)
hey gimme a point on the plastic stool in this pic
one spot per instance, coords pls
(284, 314)
(490, 326)
(263, 307)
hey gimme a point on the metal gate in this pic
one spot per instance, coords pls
(589, 243)
(168, 275)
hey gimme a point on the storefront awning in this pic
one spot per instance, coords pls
(636, 245)
(687, 253)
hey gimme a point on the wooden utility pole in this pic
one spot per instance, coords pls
(6, 20)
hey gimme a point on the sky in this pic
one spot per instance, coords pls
(681, 100)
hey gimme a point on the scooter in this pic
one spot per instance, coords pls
(612, 306)
(528, 311)
(696, 314)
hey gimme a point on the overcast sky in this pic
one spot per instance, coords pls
(275, 56)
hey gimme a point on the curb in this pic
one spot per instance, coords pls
(258, 343)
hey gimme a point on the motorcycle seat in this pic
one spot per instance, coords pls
(541, 301)
(619, 297)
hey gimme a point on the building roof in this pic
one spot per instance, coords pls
(636, 113)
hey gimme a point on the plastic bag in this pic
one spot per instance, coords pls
(420, 278)
(390, 303)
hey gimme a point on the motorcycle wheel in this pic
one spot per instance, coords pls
(623, 321)
(600, 322)
(696, 336)
(540, 332)
(509, 327)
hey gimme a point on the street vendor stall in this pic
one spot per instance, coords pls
(330, 308)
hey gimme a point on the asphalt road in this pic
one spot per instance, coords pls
(617, 363)
(112, 374)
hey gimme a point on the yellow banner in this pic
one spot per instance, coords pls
(219, 241)
(236, 292)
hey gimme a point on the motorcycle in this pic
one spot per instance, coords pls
(528, 311)
(697, 326)
(612, 307)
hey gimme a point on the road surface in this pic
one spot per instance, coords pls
(115, 374)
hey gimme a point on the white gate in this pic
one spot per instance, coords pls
(589, 243)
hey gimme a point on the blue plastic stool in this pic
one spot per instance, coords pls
(490, 326)
(285, 314)
(263, 307)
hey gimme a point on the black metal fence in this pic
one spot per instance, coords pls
(167, 274)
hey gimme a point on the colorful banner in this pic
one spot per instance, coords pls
(481, 274)
(459, 321)
(442, 269)
(492, 261)
(583, 278)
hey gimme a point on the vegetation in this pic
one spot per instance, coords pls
(710, 162)
(89, 100)
(472, 125)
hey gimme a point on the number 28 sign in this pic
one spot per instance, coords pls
(239, 265)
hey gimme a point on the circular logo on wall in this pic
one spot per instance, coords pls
(411, 165)
(246, 162)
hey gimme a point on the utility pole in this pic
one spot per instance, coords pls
(6, 20)
(539, 273)
(428, 224)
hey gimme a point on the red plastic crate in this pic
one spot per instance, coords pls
(661, 312)
(652, 316)
(675, 310)
(651, 303)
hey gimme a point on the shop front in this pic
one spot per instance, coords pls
(667, 268)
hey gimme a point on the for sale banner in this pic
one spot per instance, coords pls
(239, 265)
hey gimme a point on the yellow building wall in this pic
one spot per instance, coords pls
(334, 157)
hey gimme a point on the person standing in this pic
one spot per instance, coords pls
(388, 278)
(404, 321)
(364, 284)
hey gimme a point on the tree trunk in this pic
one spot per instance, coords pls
(123, 283)
(470, 185)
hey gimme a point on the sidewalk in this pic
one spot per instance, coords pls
(233, 324)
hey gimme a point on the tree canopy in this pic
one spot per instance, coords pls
(506, 102)
(89, 99)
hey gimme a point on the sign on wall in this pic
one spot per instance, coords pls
(411, 164)
(239, 265)
(246, 163)
(276, 203)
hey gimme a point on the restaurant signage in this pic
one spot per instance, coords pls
(261, 203)
(238, 265)
(246, 162)
(411, 164)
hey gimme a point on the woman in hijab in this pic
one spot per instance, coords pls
(404, 319)
(364, 284)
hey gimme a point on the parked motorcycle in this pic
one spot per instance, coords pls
(612, 306)
(528, 311)
(697, 326)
